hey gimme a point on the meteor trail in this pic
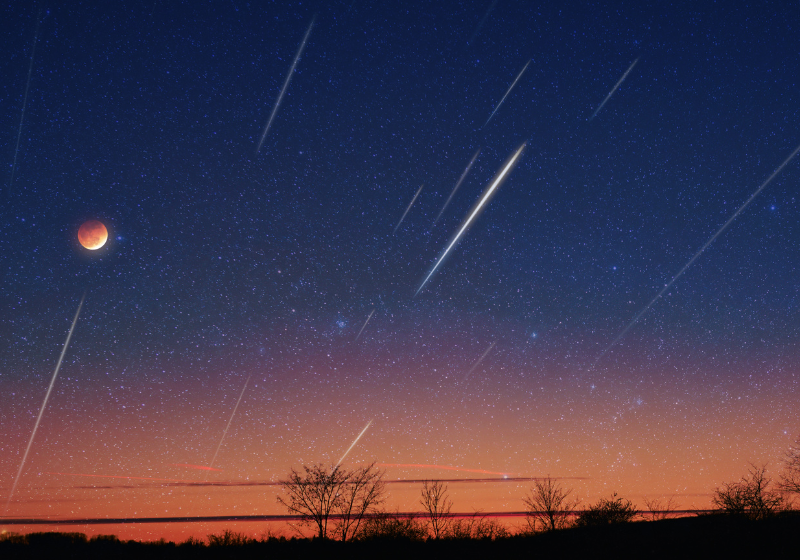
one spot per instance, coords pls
(458, 184)
(510, 164)
(480, 25)
(507, 92)
(225, 431)
(619, 83)
(696, 255)
(44, 403)
(365, 323)
(24, 102)
(285, 85)
(403, 217)
(352, 445)
(478, 362)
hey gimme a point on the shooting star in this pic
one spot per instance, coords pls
(610, 93)
(480, 25)
(458, 184)
(498, 180)
(409, 208)
(365, 323)
(225, 431)
(44, 403)
(478, 362)
(507, 92)
(697, 255)
(352, 445)
(285, 85)
(24, 103)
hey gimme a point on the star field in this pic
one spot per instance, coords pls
(224, 262)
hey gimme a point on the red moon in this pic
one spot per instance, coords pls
(92, 235)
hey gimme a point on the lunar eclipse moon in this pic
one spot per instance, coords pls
(92, 235)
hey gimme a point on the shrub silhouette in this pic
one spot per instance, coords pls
(750, 497)
(607, 512)
(229, 538)
(390, 526)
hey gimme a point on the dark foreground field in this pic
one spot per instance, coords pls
(696, 537)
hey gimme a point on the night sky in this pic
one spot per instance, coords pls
(226, 264)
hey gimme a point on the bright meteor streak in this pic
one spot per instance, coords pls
(498, 180)
(225, 432)
(410, 204)
(610, 93)
(44, 403)
(458, 184)
(285, 86)
(697, 255)
(365, 323)
(352, 445)
(507, 92)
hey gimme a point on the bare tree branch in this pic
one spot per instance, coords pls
(751, 497)
(659, 509)
(339, 498)
(362, 493)
(438, 505)
(790, 477)
(549, 504)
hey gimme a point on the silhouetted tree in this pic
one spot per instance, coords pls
(790, 477)
(659, 509)
(549, 503)
(437, 504)
(607, 512)
(313, 495)
(320, 496)
(362, 492)
(750, 497)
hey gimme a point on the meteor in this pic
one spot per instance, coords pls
(458, 184)
(352, 445)
(478, 362)
(365, 323)
(44, 403)
(285, 85)
(403, 217)
(499, 178)
(610, 93)
(507, 92)
(225, 431)
(480, 25)
(25, 101)
(697, 255)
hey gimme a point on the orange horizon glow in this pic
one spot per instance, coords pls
(198, 467)
(442, 467)
(119, 476)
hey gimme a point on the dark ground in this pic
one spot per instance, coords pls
(696, 537)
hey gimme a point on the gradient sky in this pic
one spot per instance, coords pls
(225, 263)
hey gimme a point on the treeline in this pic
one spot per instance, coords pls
(709, 536)
(347, 505)
(343, 509)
